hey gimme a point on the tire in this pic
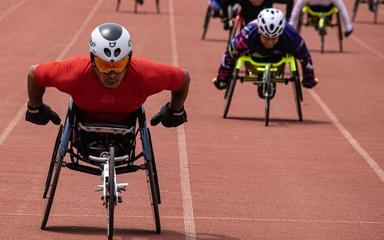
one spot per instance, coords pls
(267, 90)
(340, 32)
(300, 22)
(118, 5)
(232, 33)
(158, 6)
(206, 22)
(355, 7)
(267, 107)
(153, 186)
(111, 200)
(231, 89)
(298, 95)
(53, 158)
(51, 188)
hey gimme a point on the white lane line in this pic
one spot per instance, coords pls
(348, 136)
(364, 45)
(11, 9)
(20, 113)
(12, 124)
(189, 220)
(213, 218)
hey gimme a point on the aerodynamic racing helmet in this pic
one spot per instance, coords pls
(110, 46)
(271, 22)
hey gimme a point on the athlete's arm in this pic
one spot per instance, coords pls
(35, 91)
(237, 47)
(179, 96)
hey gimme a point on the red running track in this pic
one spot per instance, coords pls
(219, 179)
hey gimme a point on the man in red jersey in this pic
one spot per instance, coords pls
(109, 83)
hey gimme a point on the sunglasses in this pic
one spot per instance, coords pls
(106, 66)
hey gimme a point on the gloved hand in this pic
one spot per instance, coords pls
(228, 23)
(309, 80)
(42, 115)
(219, 84)
(169, 117)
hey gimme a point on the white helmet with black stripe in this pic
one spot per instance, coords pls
(271, 22)
(110, 42)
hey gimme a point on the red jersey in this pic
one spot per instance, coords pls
(75, 76)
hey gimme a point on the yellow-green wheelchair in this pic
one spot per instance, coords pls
(265, 75)
(321, 17)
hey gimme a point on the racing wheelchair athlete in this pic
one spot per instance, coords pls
(105, 115)
(319, 14)
(268, 38)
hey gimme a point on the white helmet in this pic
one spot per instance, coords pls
(110, 42)
(271, 22)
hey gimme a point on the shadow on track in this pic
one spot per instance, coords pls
(143, 12)
(215, 40)
(129, 233)
(281, 121)
(331, 51)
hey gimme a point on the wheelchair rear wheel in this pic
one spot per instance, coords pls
(206, 22)
(229, 93)
(153, 185)
(158, 6)
(111, 200)
(340, 32)
(118, 5)
(52, 178)
(298, 94)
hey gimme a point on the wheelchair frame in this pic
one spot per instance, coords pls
(375, 14)
(267, 75)
(136, 5)
(107, 165)
(322, 23)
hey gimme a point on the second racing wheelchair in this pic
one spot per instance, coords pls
(321, 18)
(265, 75)
(104, 150)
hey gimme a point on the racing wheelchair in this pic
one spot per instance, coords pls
(373, 6)
(265, 75)
(320, 20)
(137, 2)
(233, 14)
(104, 150)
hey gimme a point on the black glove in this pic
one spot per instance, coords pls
(219, 84)
(41, 115)
(169, 117)
(309, 80)
(228, 23)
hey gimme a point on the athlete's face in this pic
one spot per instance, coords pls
(256, 2)
(268, 42)
(111, 79)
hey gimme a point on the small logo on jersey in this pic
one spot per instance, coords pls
(112, 44)
(107, 98)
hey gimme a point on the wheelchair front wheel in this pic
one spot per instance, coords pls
(153, 186)
(52, 179)
(111, 199)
